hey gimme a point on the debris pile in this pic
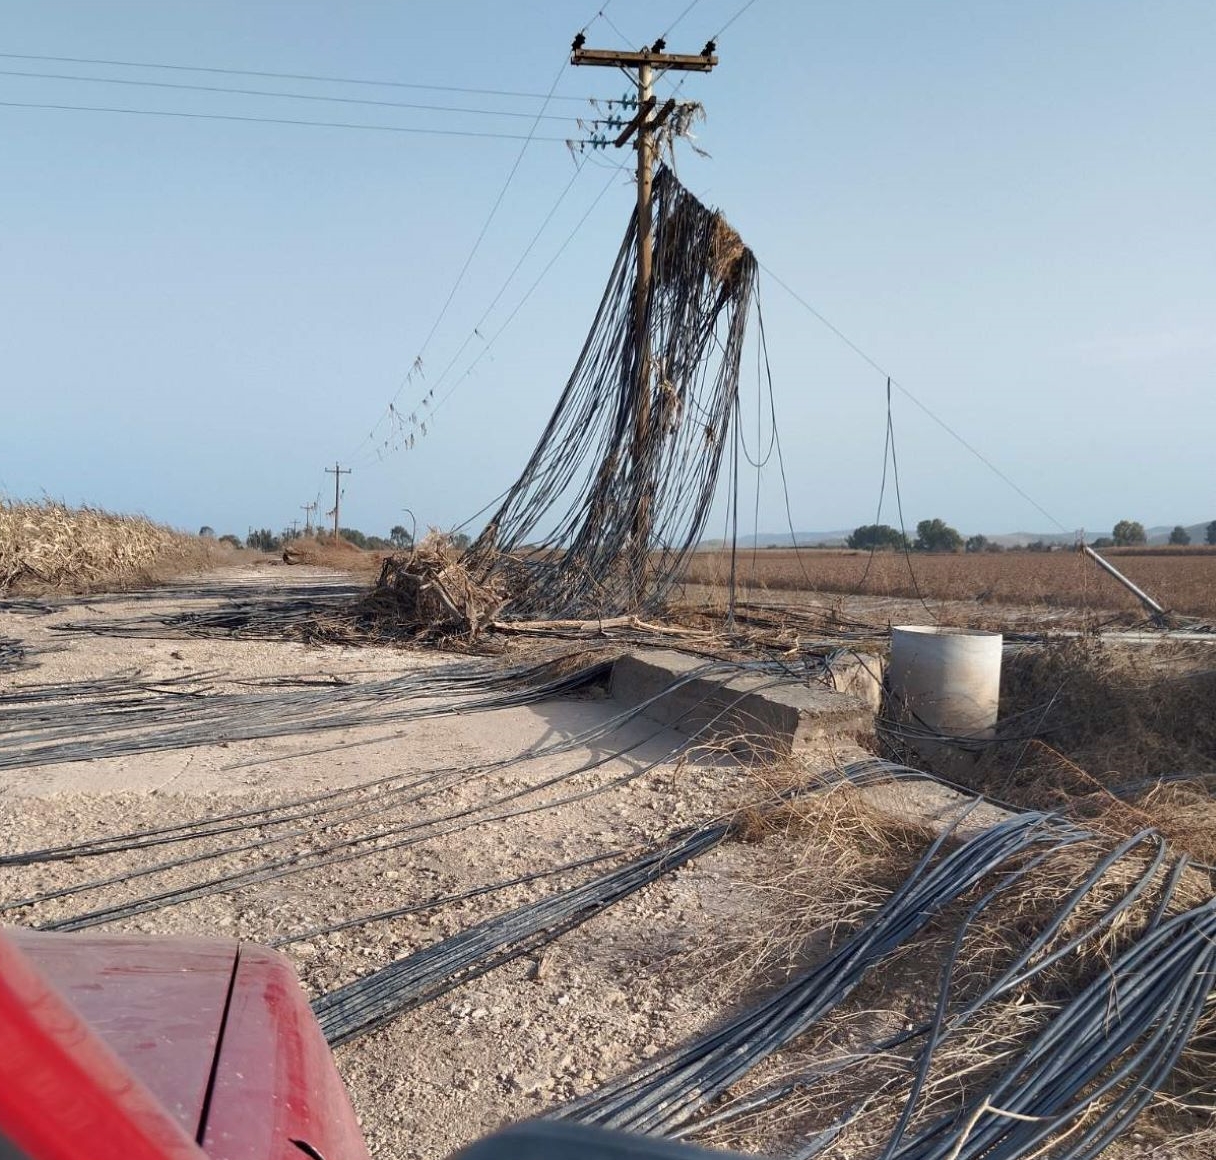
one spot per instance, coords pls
(432, 590)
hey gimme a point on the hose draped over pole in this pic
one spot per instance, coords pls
(632, 451)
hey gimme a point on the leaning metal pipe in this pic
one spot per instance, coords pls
(1158, 612)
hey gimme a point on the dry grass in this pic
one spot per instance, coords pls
(1183, 581)
(430, 591)
(830, 859)
(48, 546)
(1104, 724)
(835, 1070)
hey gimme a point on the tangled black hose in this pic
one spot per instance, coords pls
(625, 472)
(664, 1095)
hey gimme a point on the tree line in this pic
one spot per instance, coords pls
(938, 536)
(265, 540)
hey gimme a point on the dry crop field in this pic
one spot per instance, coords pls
(1183, 581)
(48, 546)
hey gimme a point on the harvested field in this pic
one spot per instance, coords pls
(1184, 582)
(48, 546)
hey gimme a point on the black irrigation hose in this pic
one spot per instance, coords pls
(436, 901)
(14, 655)
(373, 843)
(376, 999)
(632, 450)
(1033, 959)
(25, 606)
(1133, 789)
(1119, 1038)
(664, 1095)
(346, 851)
(1020, 971)
(299, 862)
(247, 611)
(264, 817)
(82, 733)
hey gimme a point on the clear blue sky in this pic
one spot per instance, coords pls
(1007, 204)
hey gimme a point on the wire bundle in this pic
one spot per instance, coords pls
(13, 655)
(663, 1096)
(1095, 1066)
(372, 1001)
(44, 724)
(623, 477)
(326, 820)
(1092, 1065)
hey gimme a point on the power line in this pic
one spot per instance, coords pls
(509, 279)
(523, 301)
(615, 29)
(178, 85)
(502, 193)
(731, 21)
(899, 507)
(276, 121)
(857, 350)
(531, 289)
(598, 16)
(663, 77)
(687, 9)
(417, 364)
(239, 72)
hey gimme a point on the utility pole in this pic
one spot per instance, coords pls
(308, 509)
(645, 124)
(337, 471)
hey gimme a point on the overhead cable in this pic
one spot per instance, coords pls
(234, 117)
(285, 76)
(278, 94)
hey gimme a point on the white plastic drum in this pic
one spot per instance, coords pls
(948, 678)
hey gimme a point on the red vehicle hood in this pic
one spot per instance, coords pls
(217, 1035)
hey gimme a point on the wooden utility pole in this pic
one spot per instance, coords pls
(645, 123)
(308, 509)
(337, 471)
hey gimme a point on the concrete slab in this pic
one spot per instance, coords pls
(932, 802)
(860, 675)
(751, 712)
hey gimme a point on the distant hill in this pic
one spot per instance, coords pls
(1021, 539)
(1197, 532)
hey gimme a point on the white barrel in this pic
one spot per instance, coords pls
(948, 678)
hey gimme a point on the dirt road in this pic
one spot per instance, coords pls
(524, 1038)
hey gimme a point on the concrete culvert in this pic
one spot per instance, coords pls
(947, 679)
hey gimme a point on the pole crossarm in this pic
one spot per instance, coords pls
(676, 62)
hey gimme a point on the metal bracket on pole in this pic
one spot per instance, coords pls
(638, 118)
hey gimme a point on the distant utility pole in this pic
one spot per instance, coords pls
(646, 62)
(308, 509)
(337, 471)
